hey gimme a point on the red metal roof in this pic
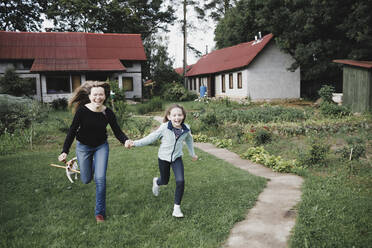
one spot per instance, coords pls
(364, 64)
(72, 51)
(229, 58)
(179, 70)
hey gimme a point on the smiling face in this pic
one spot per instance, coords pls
(176, 117)
(97, 96)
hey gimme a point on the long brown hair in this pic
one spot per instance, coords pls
(167, 112)
(81, 94)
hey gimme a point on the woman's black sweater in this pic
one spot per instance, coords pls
(89, 128)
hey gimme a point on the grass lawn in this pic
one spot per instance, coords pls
(41, 208)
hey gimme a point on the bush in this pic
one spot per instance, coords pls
(119, 93)
(176, 92)
(262, 136)
(19, 113)
(155, 104)
(14, 85)
(326, 93)
(355, 149)
(316, 155)
(59, 104)
(334, 110)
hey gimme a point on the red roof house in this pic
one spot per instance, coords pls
(60, 62)
(255, 69)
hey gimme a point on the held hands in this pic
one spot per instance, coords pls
(129, 144)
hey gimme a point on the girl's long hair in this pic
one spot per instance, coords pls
(167, 112)
(81, 94)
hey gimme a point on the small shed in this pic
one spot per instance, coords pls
(357, 85)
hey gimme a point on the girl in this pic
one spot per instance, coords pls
(89, 128)
(172, 132)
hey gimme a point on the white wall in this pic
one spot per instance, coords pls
(267, 76)
(134, 72)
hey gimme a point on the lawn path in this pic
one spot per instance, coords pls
(269, 222)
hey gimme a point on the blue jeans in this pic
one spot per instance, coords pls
(93, 161)
(177, 166)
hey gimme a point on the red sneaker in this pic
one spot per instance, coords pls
(100, 218)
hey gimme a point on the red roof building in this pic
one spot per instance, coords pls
(86, 56)
(257, 69)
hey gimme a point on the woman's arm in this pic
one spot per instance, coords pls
(71, 133)
(115, 127)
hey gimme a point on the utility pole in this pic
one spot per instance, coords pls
(184, 43)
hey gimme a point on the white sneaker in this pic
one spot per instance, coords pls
(155, 186)
(177, 211)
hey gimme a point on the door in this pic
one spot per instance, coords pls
(76, 81)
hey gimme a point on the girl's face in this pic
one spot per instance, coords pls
(176, 117)
(97, 96)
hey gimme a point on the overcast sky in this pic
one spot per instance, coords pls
(199, 37)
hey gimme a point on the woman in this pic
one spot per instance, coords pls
(89, 128)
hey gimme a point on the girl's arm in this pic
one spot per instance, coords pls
(190, 145)
(151, 138)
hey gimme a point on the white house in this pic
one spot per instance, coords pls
(60, 62)
(257, 69)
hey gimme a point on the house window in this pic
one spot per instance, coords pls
(239, 80)
(97, 76)
(195, 83)
(128, 83)
(32, 82)
(223, 83)
(231, 85)
(200, 80)
(127, 63)
(58, 84)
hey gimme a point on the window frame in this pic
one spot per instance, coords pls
(240, 80)
(223, 86)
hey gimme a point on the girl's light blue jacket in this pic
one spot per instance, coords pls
(170, 147)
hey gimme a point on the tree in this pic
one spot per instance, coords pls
(116, 16)
(159, 65)
(215, 9)
(239, 24)
(313, 32)
(20, 15)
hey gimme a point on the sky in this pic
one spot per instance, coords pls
(199, 37)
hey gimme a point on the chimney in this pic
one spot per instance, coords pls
(259, 35)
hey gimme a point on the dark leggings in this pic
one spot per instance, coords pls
(177, 167)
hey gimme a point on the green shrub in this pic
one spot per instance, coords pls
(209, 120)
(262, 136)
(155, 104)
(334, 110)
(59, 104)
(14, 85)
(20, 113)
(326, 93)
(354, 150)
(176, 92)
(315, 155)
(119, 94)
(121, 112)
